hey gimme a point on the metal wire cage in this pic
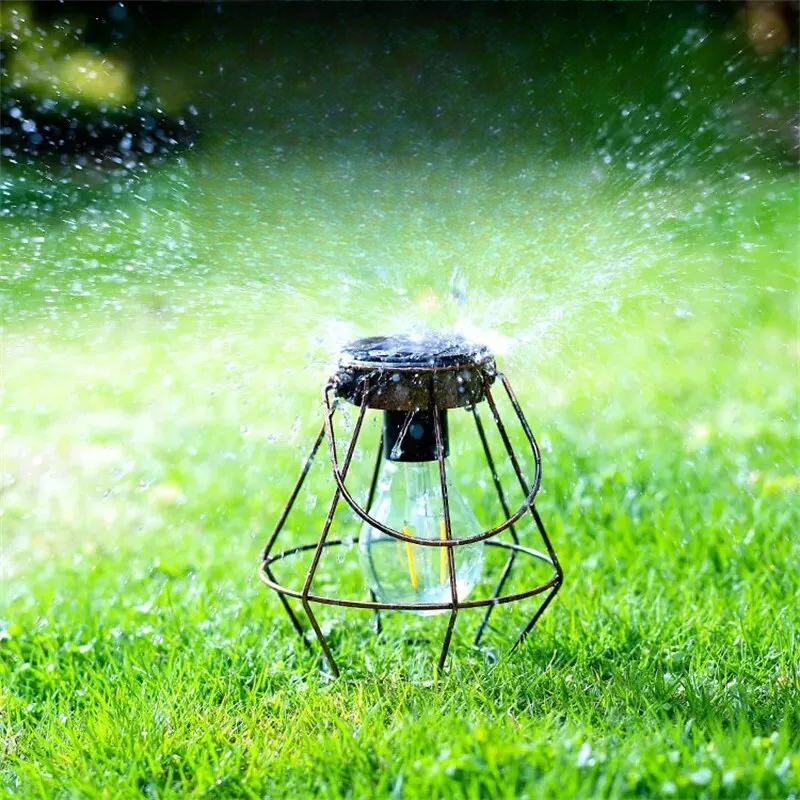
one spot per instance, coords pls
(411, 377)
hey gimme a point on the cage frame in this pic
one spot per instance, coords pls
(339, 470)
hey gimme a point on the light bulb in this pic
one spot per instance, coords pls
(409, 499)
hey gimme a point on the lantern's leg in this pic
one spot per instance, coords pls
(526, 489)
(535, 618)
(507, 511)
(370, 498)
(279, 527)
(523, 483)
(546, 602)
(324, 535)
(451, 563)
(289, 611)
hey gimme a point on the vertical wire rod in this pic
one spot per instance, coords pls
(293, 496)
(451, 563)
(523, 484)
(539, 524)
(279, 527)
(326, 529)
(504, 504)
(370, 498)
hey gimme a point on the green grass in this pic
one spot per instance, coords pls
(163, 350)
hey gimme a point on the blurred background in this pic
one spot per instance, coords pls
(202, 202)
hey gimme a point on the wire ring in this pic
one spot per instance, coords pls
(333, 601)
(366, 517)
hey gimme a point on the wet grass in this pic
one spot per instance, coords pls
(164, 340)
(146, 456)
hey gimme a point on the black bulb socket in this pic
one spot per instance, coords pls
(411, 435)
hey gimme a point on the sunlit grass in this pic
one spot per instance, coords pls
(165, 339)
(145, 457)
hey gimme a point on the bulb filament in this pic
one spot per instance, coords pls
(412, 566)
(412, 563)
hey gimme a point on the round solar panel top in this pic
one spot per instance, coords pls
(406, 372)
(426, 351)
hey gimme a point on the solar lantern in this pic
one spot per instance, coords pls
(420, 546)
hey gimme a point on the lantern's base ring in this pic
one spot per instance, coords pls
(263, 573)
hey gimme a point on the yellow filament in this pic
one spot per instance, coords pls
(443, 553)
(412, 566)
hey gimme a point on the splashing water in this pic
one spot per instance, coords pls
(613, 212)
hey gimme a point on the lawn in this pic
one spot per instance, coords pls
(165, 338)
